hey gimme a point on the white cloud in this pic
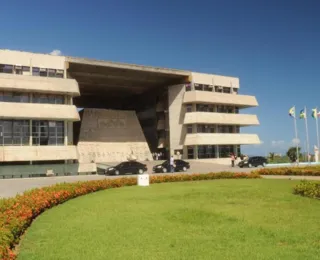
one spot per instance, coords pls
(278, 143)
(295, 141)
(56, 52)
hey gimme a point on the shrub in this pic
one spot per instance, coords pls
(308, 189)
(17, 213)
(299, 171)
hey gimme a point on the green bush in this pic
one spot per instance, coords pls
(308, 189)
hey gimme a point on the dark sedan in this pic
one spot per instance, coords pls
(130, 167)
(164, 167)
(254, 161)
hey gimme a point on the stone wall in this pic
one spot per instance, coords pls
(111, 136)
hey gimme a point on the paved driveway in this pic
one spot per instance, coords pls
(11, 187)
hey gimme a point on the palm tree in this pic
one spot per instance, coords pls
(271, 156)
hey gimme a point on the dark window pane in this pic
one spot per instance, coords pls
(50, 132)
(227, 90)
(225, 151)
(51, 73)
(35, 141)
(59, 75)
(18, 70)
(59, 100)
(190, 152)
(16, 97)
(24, 98)
(43, 73)
(36, 71)
(7, 140)
(198, 87)
(206, 88)
(25, 141)
(16, 141)
(218, 89)
(51, 100)
(43, 99)
(7, 126)
(8, 69)
(189, 108)
(7, 97)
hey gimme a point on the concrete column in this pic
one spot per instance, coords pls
(217, 151)
(215, 108)
(194, 108)
(195, 151)
(66, 125)
(30, 132)
(184, 153)
(65, 132)
(70, 125)
(30, 122)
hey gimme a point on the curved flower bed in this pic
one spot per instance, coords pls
(298, 171)
(17, 213)
(308, 189)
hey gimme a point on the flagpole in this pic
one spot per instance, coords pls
(317, 126)
(296, 133)
(307, 133)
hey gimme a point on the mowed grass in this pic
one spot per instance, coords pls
(220, 219)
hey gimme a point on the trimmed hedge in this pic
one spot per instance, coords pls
(308, 189)
(298, 171)
(16, 214)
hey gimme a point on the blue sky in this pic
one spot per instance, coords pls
(272, 46)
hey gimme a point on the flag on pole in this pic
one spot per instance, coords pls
(315, 113)
(303, 114)
(292, 112)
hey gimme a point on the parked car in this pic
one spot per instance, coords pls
(254, 161)
(131, 167)
(164, 167)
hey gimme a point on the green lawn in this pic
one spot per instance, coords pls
(220, 219)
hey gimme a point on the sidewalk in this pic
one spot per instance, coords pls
(291, 177)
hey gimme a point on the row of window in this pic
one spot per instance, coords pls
(25, 70)
(204, 87)
(17, 132)
(206, 128)
(212, 151)
(212, 108)
(20, 97)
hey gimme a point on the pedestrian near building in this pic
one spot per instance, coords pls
(233, 158)
(171, 164)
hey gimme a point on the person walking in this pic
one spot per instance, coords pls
(233, 158)
(171, 164)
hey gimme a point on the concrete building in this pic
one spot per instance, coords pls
(127, 108)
